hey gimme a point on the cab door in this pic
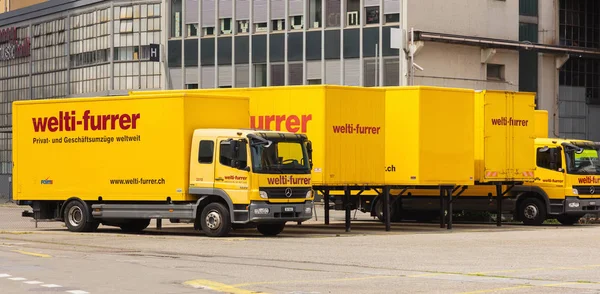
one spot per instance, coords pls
(232, 170)
(202, 161)
(550, 174)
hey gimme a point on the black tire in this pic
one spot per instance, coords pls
(78, 217)
(394, 217)
(135, 225)
(270, 229)
(215, 220)
(532, 212)
(568, 220)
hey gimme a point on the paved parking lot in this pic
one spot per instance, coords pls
(311, 258)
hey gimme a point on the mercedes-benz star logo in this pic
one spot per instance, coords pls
(288, 192)
(592, 190)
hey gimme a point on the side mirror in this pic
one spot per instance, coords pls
(309, 148)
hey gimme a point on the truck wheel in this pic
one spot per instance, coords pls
(270, 229)
(215, 220)
(532, 212)
(568, 220)
(135, 225)
(78, 217)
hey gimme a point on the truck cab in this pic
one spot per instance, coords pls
(567, 178)
(263, 176)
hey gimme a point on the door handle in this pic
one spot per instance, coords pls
(218, 179)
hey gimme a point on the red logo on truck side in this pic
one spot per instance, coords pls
(67, 121)
(291, 123)
(504, 121)
(589, 180)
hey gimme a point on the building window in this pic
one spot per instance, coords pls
(278, 24)
(260, 75)
(332, 10)
(392, 18)
(580, 23)
(243, 26)
(314, 12)
(296, 22)
(226, 27)
(191, 86)
(372, 15)
(352, 13)
(192, 30)
(260, 27)
(176, 17)
(495, 72)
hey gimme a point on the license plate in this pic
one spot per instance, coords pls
(288, 209)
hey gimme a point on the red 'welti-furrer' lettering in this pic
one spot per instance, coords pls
(288, 180)
(291, 123)
(589, 180)
(67, 121)
(503, 121)
(356, 129)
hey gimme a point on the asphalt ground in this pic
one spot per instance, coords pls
(307, 258)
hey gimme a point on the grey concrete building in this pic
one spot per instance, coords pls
(68, 48)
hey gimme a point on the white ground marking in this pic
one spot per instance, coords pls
(17, 279)
(33, 282)
(77, 292)
(51, 286)
(4, 275)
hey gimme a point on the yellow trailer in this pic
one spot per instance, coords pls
(503, 137)
(122, 161)
(346, 126)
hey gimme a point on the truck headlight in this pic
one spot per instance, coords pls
(574, 204)
(309, 194)
(264, 195)
(575, 192)
(263, 210)
(308, 210)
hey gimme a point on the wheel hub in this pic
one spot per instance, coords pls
(531, 211)
(75, 216)
(213, 220)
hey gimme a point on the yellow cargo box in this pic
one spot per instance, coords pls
(541, 123)
(505, 133)
(130, 148)
(429, 136)
(344, 123)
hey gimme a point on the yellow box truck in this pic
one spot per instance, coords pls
(122, 161)
(346, 125)
(567, 179)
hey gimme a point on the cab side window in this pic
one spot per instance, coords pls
(228, 159)
(206, 152)
(549, 158)
(225, 156)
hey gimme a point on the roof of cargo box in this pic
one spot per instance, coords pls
(140, 95)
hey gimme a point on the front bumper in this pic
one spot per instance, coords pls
(581, 206)
(276, 212)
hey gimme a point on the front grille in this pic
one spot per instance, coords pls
(588, 190)
(280, 193)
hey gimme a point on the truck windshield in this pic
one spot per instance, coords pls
(280, 157)
(584, 162)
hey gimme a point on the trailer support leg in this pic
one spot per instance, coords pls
(386, 207)
(499, 204)
(159, 223)
(326, 206)
(449, 192)
(442, 214)
(347, 207)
